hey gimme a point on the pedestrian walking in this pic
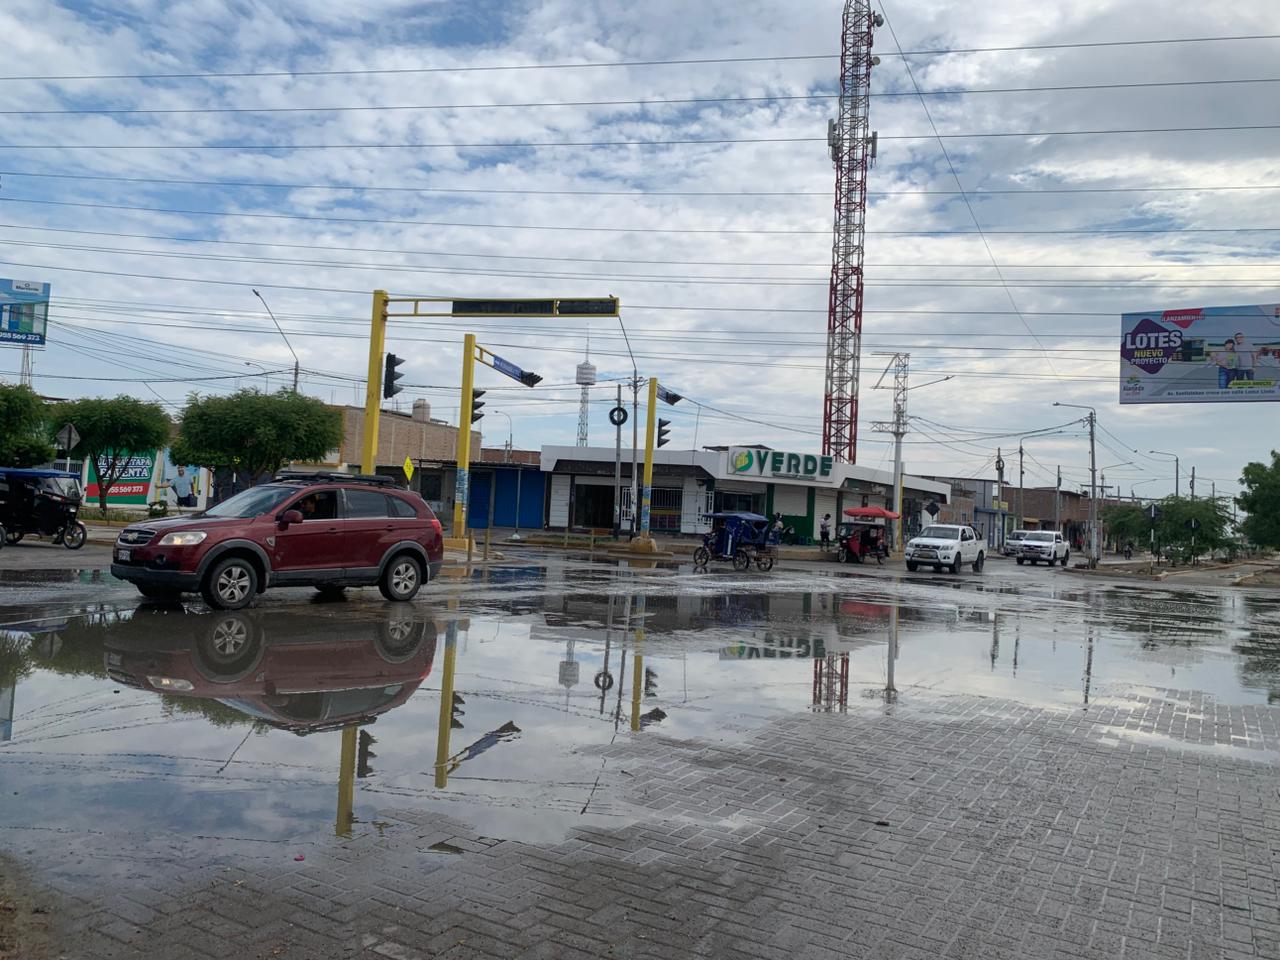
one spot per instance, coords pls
(824, 528)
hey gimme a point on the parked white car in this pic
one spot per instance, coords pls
(945, 545)
(1013, 543)
(1046, 545)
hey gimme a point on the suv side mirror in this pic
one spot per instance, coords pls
(291, 516)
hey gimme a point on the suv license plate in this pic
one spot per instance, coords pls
(124, 555)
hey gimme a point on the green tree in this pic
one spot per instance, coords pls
(1260, 499)
(1191, 527)
(24, 428)
(1126, 522)
(256, 433)
(111, 431)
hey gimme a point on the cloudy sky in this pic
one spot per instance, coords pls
(155, 197)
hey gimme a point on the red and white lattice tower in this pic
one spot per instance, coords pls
(852, 148)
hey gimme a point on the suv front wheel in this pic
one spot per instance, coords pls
(402, 578)
(231, 584)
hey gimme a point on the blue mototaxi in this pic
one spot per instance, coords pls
(740, 538)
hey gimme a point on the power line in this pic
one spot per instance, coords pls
(946, 155)
(541, 144)
(433, 145)
(757, 281)
(483, 68)
(1082, 231)
(649, 102)
(607, 260)
(347, 187)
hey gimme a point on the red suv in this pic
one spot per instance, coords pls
(325, 530)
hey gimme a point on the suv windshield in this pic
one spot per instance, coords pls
(1039, 537)
(1018, 535)
(941, 533)
(253, 502)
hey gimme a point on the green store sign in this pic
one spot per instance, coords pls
(780, 464)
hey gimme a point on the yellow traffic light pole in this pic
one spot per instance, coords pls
(644, 542)
(444, 730)
(463, 486)
(346, 782)
(373, 385)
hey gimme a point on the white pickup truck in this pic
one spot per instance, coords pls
(1046, 545)
(944, 545)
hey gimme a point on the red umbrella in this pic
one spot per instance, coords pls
(866, 513)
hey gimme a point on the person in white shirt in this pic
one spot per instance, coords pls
(1244, 357)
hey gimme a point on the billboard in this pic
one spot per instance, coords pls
(1201, 355)
(24, 312)
(133, 489)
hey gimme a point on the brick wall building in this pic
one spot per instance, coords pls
(414, 435)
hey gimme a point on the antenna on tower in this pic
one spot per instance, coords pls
(586, 378)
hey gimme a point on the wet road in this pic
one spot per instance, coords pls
(133, 737)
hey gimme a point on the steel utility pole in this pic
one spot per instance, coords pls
(1093, 490)
(617, 468)
(852, 148)
(1193, 483)
(900, 364)
(1092, 420)
(1057, 502)
(1021, 517)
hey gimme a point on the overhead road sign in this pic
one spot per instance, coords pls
(581, 307)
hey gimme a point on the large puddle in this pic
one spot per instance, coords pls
(490, 700)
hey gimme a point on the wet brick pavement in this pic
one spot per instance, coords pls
(938, 827)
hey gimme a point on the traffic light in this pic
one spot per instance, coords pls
(364, 754)
(650, 682)
(476, 404)
(390, 376)
(663, 431)
(456, 711)
(530, 379)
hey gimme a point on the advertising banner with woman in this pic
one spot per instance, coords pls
(1201, 355)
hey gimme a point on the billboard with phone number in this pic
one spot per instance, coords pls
(132, 489)
(1201, 355)
(24, 312)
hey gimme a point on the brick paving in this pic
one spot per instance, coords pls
(936, 827)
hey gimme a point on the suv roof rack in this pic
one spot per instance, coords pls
(321, 476)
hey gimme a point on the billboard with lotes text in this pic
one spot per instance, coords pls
(1201, 355)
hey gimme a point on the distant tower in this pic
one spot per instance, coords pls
(586, 379)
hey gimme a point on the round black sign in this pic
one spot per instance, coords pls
(604, 679)
(618, 416)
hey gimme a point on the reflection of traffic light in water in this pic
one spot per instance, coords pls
(364, 754)
(451, 713)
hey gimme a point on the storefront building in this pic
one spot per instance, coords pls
(689, 484)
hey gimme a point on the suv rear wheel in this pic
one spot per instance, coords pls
(231, 584)
(402, 578)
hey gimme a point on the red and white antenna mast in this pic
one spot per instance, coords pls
(853, 150)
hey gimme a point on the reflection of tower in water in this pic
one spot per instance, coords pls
(831, 682)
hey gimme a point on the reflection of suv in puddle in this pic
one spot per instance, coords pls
(288, 669)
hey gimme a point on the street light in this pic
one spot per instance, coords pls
(511, 432)
(1177, 467)
(286, 340)
(1102, 477)
(1133, 496)
(635, 442)
(266, 382)
(1093, 479)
